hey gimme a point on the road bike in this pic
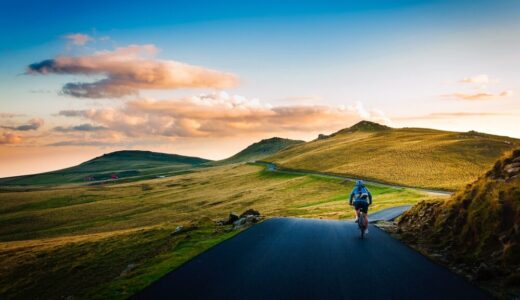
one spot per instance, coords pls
(362, 224)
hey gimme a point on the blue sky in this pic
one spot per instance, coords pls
(444, 64)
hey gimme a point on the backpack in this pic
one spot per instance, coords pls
(362, 193)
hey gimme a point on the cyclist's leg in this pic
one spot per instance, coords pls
(356, 208)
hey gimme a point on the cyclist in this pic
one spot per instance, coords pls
(361, 198)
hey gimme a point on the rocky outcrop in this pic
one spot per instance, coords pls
(322, 136)
(178, 230)
(232, 218)
(250, 212)
(247, 218)
(506, 169)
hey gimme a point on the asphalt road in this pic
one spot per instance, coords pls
(388, 214)
(288, 258)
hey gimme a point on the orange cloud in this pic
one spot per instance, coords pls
(506, 94)
(129, 70)
(480, 95)
(473, 96)
(481, 79)
(9, 115)
(10, 138)
(215, 115)
(78, 39)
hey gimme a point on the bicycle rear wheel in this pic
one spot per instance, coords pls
(361, 224)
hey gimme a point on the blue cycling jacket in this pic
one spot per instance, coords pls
(356, 193)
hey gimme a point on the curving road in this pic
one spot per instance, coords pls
(388, 214)
(288, 258)
(274, 168)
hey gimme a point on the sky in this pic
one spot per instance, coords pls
(207, 78)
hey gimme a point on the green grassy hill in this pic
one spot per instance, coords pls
(476, 231)
(260, 150)
(407, 156)
(108, 241)
(138, 165)
(123, 164)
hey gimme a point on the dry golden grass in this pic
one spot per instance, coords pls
(80, 240)
(410, 156)
(477, 230)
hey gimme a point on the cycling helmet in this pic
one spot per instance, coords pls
(360, 183)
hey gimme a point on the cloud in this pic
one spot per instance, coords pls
(9, 115)
(479, 83)
(32, 124)
(506, 93)
(82, 127)
(10, 138)
(473, 96)
(82, 143)
(480, 79)
(447, 115)
(218, 115)
(479, 95)
(128, 70)
(372, 115)
(70, 113)
(78, 39)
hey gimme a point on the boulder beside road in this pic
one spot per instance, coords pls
(248, 217)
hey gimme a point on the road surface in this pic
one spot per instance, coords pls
(274, 168)
(388, 214)
(289, 258)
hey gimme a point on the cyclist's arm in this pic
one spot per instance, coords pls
(369, 198)
(351, 198)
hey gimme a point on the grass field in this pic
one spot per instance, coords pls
(409, 156)
(109, 241)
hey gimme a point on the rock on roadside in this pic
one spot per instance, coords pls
(247, 218)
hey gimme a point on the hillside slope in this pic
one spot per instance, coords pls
(408, 156)
(118, 164)
(477, 231)
(107, 242)
(261, 150)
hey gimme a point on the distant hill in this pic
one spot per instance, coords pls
(476, 231)
(408, 156)
(143, 164)
(115, 165)
(261, 150)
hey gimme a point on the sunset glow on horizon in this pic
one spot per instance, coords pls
(207, 79)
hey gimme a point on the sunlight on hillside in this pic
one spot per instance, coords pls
(48, 227)
(411, 157)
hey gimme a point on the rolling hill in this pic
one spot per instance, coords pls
(407, 156)
(109, 241)
(143, 165)
(477, 230)
(261, 150)
(119, 164)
